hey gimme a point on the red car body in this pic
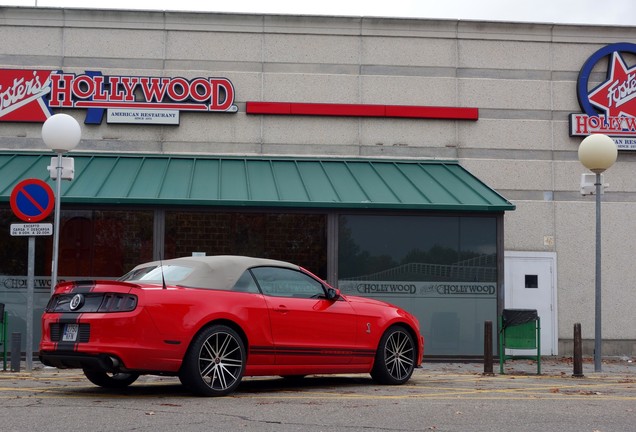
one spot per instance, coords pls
(117, 330)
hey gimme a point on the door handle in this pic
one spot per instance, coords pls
(281, 309)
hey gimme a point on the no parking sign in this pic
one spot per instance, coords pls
(32, 200)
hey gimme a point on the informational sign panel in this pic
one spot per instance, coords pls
(32, 229)
(170, 117)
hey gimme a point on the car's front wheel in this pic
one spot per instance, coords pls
(215, 362)
(110, 380)
(395, 357)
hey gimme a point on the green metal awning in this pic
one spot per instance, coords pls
(260, 181)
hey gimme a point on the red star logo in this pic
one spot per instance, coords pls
(616, 96)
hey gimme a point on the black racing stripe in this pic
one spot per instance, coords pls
(83, 286)
(51, 324)
(316, 352)
(262, 350)
(68, 318)
(89, 286)
(325, 352)
(77, 287)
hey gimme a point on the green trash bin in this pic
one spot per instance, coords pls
(519, 329)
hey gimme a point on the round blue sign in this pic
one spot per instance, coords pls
(32, 200)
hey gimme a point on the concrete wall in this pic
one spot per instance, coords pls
(522, 77)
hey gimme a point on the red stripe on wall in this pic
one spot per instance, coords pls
(362, 110)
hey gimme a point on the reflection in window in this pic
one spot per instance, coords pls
(297, 238)
(443, 269)
(93, 243)
(245, 283)
(406, 248)
(158, 274)
(281, 282)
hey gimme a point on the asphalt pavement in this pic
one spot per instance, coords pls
(441, 396)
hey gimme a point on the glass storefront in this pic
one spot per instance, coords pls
(443, 269)
(294, 237)
(93, 244)
(104, 243)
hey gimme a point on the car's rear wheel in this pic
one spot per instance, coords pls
(395, 358)
(110, 380)
(215, 362)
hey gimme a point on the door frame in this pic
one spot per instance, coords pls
(531, 256)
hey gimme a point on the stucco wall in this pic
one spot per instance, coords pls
(522, 77)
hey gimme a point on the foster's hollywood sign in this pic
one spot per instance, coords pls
(30, 95)
(610, 107)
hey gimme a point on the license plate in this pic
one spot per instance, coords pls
(70, 332)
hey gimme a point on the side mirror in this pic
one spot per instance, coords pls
(333, 294)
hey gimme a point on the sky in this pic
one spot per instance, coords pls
(602, 12)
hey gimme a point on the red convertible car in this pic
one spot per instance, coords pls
(212, 320)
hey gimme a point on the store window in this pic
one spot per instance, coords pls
(104, 243)
(93, 244)
(297, 238)
(443, 269)
(14, 250)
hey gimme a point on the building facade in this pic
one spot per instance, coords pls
(430, 163)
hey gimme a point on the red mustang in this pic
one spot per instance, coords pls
(212, 320)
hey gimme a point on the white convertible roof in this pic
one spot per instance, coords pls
(214, 272)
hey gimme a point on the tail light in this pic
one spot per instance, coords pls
(92, 302)
(114, 302)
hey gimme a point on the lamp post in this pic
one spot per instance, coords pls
(61, 133)
(597, 153)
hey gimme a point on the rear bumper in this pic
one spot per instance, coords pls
(73, 360)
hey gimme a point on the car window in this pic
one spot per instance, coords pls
(169, 273)
(246, 283)
(282, 282)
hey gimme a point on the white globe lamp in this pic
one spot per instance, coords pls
(61, 133)
(597, 153)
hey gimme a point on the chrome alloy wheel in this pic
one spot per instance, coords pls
(221, 361)
(395, 357)
(215, 361)
(399, 355)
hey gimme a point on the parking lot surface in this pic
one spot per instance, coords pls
(439, 397)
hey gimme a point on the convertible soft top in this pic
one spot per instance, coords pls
(212, 272)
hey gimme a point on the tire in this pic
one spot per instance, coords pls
(395, 357)
(215, 362)
(110, 380)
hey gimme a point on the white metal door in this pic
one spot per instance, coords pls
(530, 283)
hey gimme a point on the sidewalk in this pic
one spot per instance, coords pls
(550, 366)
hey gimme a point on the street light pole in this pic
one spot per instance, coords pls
(61, 133)
(597, 153)
(597, 280)
(56, 221)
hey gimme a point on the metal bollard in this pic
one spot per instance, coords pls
(578, 352)
(488, 348)
(16, 347)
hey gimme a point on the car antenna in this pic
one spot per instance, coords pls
(163, 279)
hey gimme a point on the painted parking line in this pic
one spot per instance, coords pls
(441, 387)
